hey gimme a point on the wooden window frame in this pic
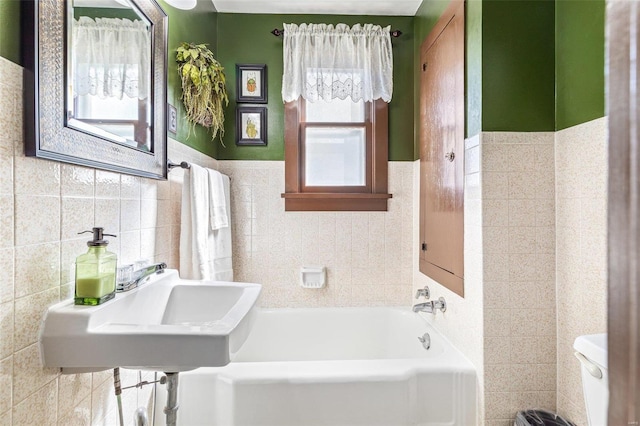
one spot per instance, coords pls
(372, 196)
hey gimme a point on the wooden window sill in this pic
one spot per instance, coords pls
(322, 201)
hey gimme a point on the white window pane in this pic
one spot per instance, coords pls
(124, 130)
(335, 156)
(94, 107)
(335, 111)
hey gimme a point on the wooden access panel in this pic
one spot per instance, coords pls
(442, 150)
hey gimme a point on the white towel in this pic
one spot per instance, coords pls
(205, 254)
(194, 223)
(222, 268)
(218, 201)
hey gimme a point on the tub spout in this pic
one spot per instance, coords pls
(424, 307)
(431, 306)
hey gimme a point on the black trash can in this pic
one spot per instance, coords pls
(540, 418)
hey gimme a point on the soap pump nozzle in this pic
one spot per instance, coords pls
(98, 237)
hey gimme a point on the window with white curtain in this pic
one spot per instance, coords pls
(111, 79)
(336, 84)
(326, 62)
(111, 57)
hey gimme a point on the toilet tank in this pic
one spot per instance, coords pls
(591, 350)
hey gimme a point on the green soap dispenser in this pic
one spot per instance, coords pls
(96, 271)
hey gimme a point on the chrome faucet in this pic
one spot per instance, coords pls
(431, 306)
(423, 292)
(138, 277)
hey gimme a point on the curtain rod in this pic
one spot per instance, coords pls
(277, 32)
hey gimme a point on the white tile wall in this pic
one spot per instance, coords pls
(581, 186)
(518, 240)
(462, 323)
(537, 197)
(367, 254)
(505, 324)
(43, 205)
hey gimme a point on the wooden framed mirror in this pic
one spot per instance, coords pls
(95, 84)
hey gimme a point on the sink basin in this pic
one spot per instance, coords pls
(167, 324)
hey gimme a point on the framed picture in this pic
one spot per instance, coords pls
(251, 125)
(251, 83)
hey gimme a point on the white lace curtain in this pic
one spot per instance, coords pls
(326, 62)
(111, 57)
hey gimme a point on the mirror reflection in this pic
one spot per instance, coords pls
(109, 75)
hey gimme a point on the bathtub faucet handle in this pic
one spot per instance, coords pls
(423, 292)
(440, 304)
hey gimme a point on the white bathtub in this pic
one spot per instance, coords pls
(332, 367)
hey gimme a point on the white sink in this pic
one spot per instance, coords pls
(167, 324)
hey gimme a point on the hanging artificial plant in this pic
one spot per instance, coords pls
(203, 87)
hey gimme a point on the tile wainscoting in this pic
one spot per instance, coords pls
(581, 220)
(505, 323)
(532, 201)
(43, 205)
(367, 254)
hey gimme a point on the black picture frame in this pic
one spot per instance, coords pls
(248, 132)
(247, 92)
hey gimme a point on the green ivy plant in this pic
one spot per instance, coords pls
(203, 87)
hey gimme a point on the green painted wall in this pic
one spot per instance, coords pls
(518, 65)
(10, 31)
(474, 68)
(426, 17)
(246, 39)
(510, 63)
(579, 54)
(195, 26)
(520, 75)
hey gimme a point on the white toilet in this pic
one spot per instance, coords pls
(591, 350)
